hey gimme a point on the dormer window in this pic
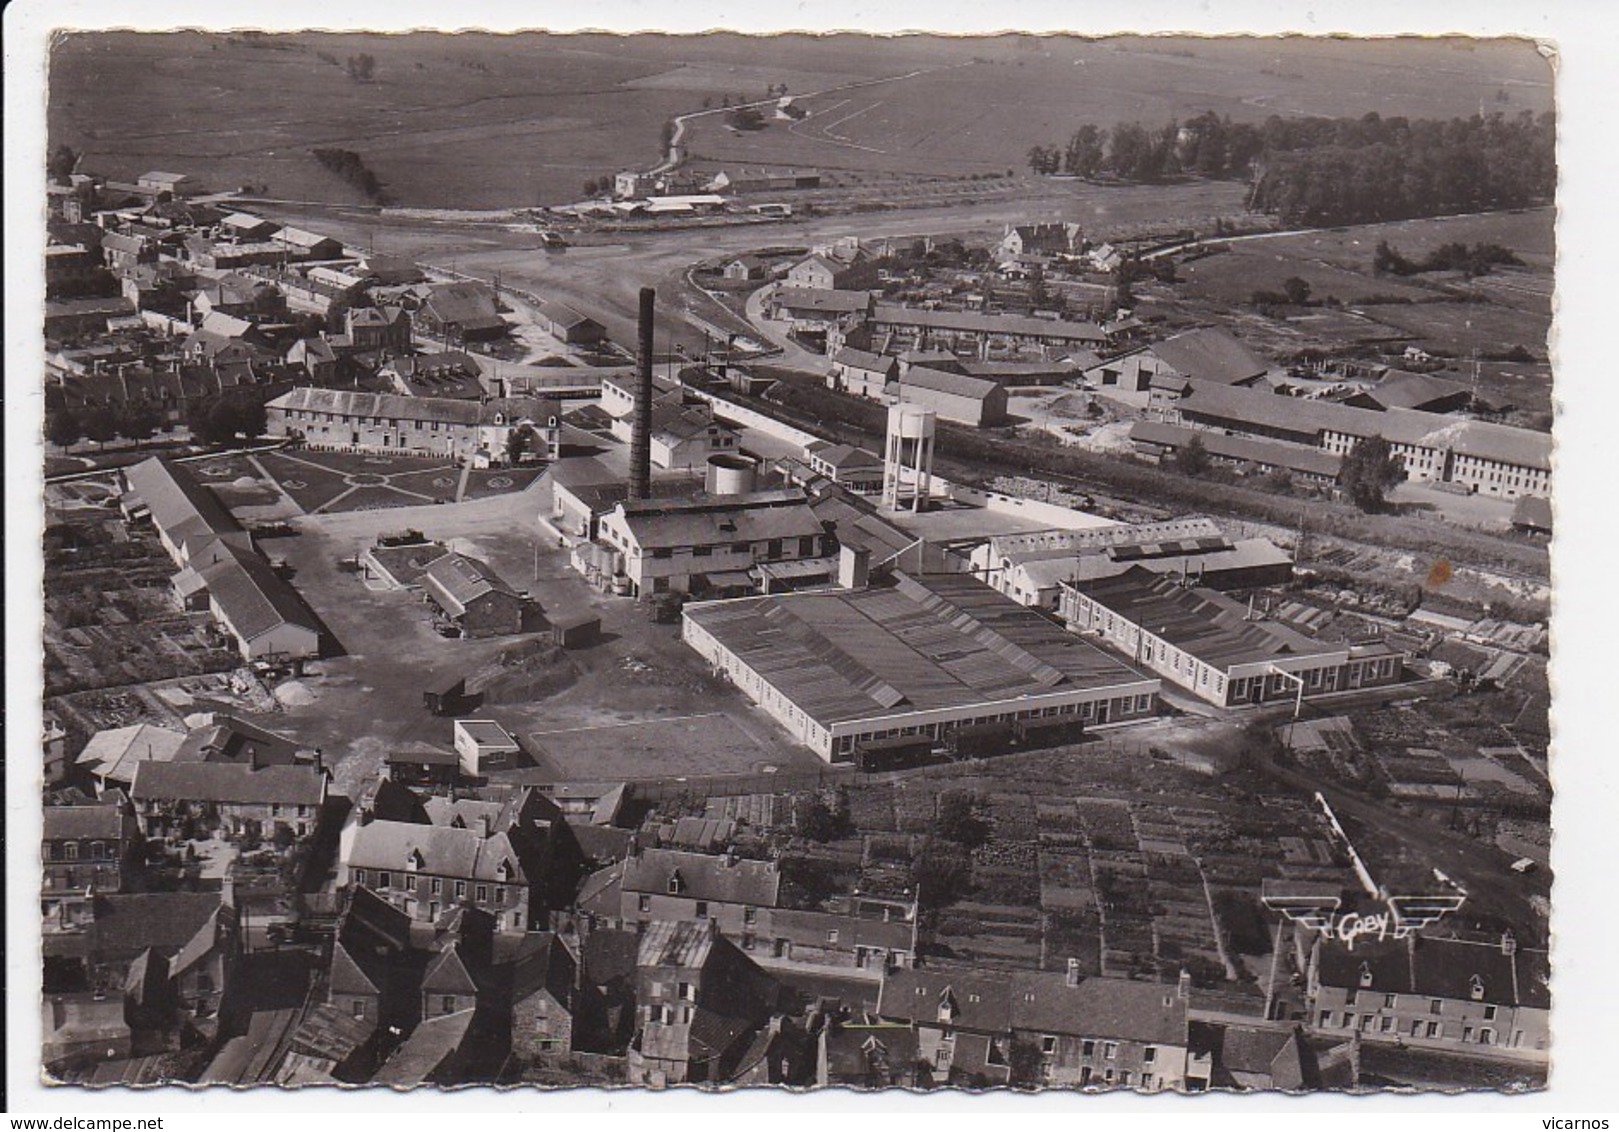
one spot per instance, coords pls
(1365, 974)
(947, 1006)
(1476, 988)
(504, 872)
(677, 883)
(415, 860)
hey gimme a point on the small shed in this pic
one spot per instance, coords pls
(576, 630)
(423, 766)
(447, 698)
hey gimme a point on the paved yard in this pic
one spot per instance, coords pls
(368, 700)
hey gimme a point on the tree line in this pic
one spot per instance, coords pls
(352, 168)
(214, 419)
(1331, 170)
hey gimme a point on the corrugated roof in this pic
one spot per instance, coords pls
(1207, 625)
(1298, 458)
(975, 322)
(927, 642)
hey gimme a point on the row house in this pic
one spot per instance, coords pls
(506, 856)
(1089, 1032)
(1457, 994)
(476, 431)
(1213, 646)
(175, 799)
(85, 850)
(699, 1002)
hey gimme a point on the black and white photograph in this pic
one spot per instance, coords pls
(1017, 562)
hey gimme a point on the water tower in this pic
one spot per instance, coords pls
(908, 456)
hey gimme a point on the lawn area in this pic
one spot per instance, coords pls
(311, 488)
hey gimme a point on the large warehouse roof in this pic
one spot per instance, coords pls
(936, 641)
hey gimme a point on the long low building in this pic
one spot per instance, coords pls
(423, 426)
(1156, 440)
(1031, 567)
(220, 569)
(922, 328)
(922, 658)
(1491, 459)
(1212, 646)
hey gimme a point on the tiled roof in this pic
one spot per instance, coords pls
(701, 876)
(865, 359)
(397, 406)
(1100, 1008)
(127, 924)
(455, 581)
(1210, 354)
(249, 593)
(174, 496)
(114, 753)
(429, 1046)
(444, 851)
(943, 381)
(81, 823)
(978, 1000)
(228, 783)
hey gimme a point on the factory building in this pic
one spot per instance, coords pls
(1031, 567)
(1214, 646)
(921, 659)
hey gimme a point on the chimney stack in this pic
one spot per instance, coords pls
(641, 422)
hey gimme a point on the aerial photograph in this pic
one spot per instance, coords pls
(1004, 562)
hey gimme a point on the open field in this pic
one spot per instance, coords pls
(996, 98)
(471, 120)
(707, 743)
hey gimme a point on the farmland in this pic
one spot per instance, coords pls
(470, 121)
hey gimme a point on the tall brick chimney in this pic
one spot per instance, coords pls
(641, 422)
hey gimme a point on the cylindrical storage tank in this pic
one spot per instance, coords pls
(731, 475)
(911, 422)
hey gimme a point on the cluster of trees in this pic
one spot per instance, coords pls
(61, 163)
(1480, 259)
(942, 866)
(1368, 472)
(822, 816)
(1374, 169)
(221, 419)
(1295, 292)
(102, 423)
(361, 67)
(745, 118)
(1332, 170)
(519, 442)
(352, 168)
